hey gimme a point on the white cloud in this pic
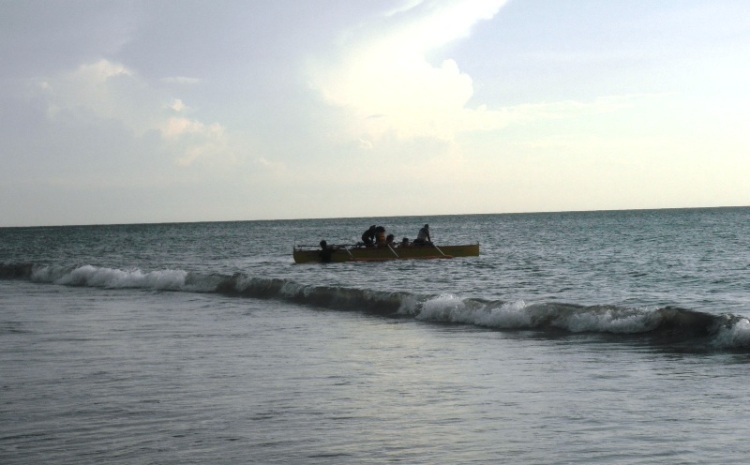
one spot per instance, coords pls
(181, 80)
(101, 71)
(91, 90)
(390, 75)
(198, 140)
(177, 106)
(110, 91)
(389, 88)
(174, 128)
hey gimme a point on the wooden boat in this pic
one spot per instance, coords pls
(346, 253)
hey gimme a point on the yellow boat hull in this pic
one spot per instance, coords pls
(366, 254)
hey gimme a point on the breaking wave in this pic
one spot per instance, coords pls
(678, 327)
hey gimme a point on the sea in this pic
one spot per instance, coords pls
(611, 337)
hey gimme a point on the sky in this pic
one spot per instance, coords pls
(168, 111)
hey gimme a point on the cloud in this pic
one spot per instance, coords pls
(101, 71)
(177, 106)
(389, 74)
(196, 139)
(106, 91)
(181, 80)
(389, 89)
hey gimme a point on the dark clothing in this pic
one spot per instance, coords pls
(325, 252)
(368, 237)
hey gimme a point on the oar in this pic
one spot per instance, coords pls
(429, 238)
(438, 249)
(391, 249)
(349, 252)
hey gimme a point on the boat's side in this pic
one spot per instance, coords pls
(345, 254)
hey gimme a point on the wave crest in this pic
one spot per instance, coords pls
(112, 278)
(668, 325)
(678, 327)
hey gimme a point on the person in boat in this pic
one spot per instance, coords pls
(368, 237)
(380, 236)
(404, 242)
(326, 251)
(390, 240)
(423, 237)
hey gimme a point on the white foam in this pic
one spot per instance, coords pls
(510, 315)
(93, 276)
(409, 305)
(448, 308)
(609, 321)
(736, 335)
(445, 308)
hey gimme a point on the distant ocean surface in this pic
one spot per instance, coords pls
(616, 337)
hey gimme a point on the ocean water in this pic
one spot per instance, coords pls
(599, 337)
